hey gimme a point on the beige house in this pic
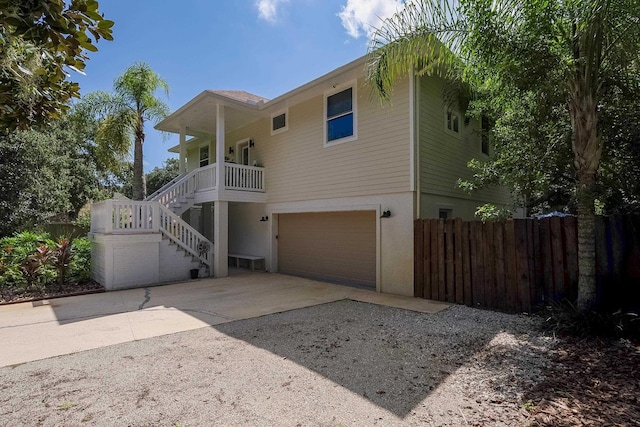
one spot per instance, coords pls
(322, 182)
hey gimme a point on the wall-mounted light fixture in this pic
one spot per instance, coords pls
(251, 144)
(386, 214)
(231, 150)
(264, 218)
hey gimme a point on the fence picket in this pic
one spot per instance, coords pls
(501, 292)
(426, 268)
(477, 271)
(442, 288)
(557, 254)
(418, 265)
(449, 261)
(516, 265)
(511, 291)
(466, 268)
(435, 255)
(459, 280)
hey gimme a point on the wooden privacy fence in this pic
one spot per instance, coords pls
(516, 265)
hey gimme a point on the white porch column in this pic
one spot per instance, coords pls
(183, 149)
(220, 208)
(220, 148)
(221, 239)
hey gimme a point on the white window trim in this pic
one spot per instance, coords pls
(446, 123)
(354, 104)
(286, 121)
(238, 151)
(208, 159)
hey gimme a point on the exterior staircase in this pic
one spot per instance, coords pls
(143, 242)
(178, 195)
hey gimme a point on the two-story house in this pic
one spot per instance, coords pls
(322, 182)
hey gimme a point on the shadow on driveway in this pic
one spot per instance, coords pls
(394, 358)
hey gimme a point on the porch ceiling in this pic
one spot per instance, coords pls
(199, 114)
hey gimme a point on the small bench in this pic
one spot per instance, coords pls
(251, 259)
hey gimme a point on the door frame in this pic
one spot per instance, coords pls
(240, 146)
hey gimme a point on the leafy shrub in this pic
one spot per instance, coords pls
(565, 318)
(33, 262)
(80, 270)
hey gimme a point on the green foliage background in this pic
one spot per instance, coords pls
(15, 250)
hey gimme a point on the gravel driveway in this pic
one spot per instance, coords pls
(342, 363)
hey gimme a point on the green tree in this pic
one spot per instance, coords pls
(541, 176)
(122, 115)
(40, 40)
(53, 171)
(585, 44)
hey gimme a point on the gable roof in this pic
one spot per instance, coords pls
(196, 115)
(242, 96)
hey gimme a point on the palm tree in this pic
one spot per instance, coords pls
(124, 113)
(589, 44)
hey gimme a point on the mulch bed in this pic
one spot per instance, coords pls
(12, 296)
(589, 383)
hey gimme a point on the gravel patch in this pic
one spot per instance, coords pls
(343, 363)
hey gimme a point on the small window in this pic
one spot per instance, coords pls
(445, 213)
(453, 121)
(340, 116)
(279, 123)
(484, 135)
(204, 156)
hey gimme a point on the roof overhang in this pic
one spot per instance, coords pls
(198, 116)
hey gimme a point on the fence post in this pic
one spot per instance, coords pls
(155, 217)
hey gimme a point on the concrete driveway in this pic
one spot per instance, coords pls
(42, 329)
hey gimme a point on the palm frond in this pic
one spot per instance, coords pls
(138, 84)
(426, 36)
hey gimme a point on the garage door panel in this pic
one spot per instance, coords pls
(333, 246)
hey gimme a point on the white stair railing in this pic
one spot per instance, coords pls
(164, 187)
(181, 191)
(185, 236)
(138, 217)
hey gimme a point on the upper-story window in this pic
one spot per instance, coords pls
(453, 121)
(340, 116)
(484, 135)
(204, 156)
(279, 122)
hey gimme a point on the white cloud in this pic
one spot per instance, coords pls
(359, 17)
(268, 9)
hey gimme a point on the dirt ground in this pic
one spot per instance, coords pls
(343, 363)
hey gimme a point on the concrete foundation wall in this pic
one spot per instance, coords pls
(136, 260)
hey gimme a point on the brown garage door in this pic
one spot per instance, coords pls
(337, 247)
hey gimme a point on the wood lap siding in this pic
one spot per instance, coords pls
(518, 265)
(444, 156)
(300, 167)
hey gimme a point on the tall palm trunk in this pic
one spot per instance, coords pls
(139, 181)
(587, 149)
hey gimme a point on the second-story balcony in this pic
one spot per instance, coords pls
(241, 184)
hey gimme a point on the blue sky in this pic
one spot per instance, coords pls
(266, 47)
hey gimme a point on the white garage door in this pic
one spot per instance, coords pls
(338, 247)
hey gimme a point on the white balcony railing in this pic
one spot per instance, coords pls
(236, 178)
(243, 178)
